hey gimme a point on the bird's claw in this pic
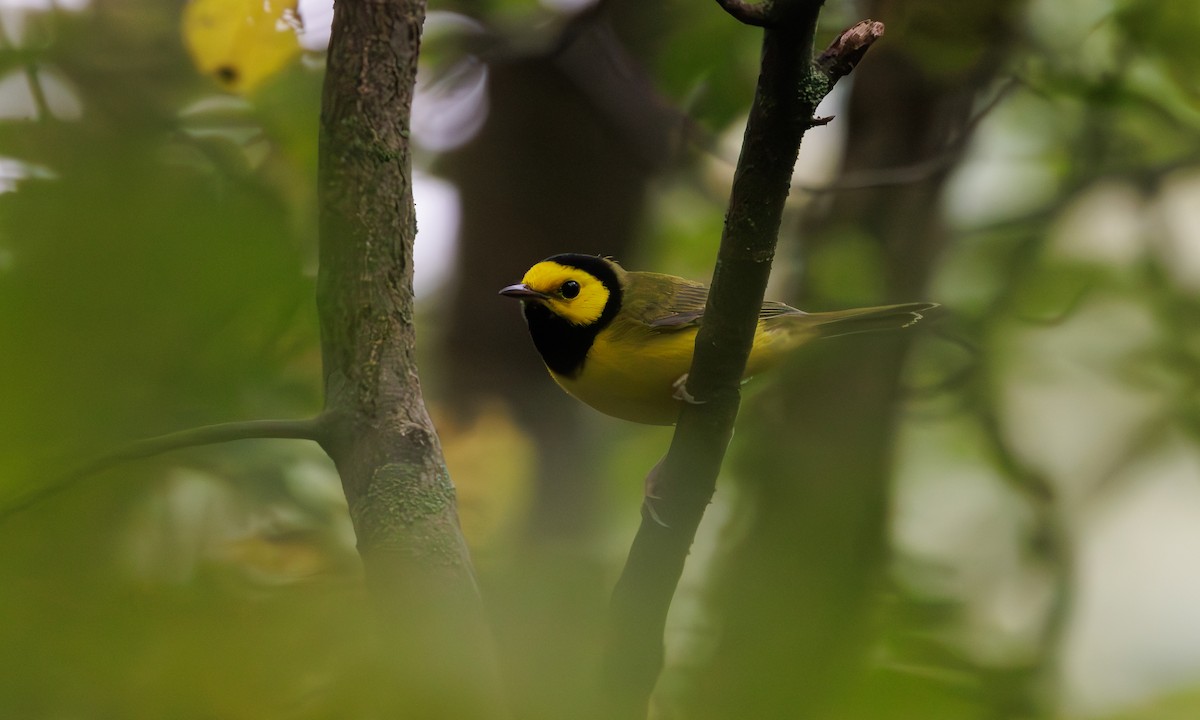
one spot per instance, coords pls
(648, 504)
(681, 393)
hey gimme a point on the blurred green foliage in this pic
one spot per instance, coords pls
(156, 273)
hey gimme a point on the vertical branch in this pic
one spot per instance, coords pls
(378, 433)
(1049, 545)
(790, 86)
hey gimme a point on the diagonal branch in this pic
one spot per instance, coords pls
(304, 429)
(790, 86)
(920, 170)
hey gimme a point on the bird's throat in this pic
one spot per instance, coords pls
(563, 345)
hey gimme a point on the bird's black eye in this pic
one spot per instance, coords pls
(569, 289)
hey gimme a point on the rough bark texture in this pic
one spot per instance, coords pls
(377, 430)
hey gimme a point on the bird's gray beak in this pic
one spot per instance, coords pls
(522, 291)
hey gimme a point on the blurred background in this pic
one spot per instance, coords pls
(994, 516)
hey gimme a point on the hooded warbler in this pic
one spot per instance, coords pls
(622, 341)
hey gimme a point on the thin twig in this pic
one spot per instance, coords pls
(305, 429)
(918, 171)
(756, 14)
(39, 93)
(1049, 543)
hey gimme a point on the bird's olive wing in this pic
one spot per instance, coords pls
(683, 306)
(686, 306)
(772, 309)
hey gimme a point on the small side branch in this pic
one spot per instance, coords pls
(304, 429)
(847, 49)
(756, 14)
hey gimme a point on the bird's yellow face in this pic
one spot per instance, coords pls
(567, 301)
(573, 294)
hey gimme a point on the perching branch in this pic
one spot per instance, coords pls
(790, 86)
(305, 429)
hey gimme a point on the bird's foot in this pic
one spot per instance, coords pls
(681, 393)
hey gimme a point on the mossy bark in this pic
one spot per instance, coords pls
(434, 640)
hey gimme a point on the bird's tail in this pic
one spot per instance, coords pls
(857, 320)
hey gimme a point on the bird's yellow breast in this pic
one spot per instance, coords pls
(631, 372)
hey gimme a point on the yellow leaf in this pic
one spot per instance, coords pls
(241, 43)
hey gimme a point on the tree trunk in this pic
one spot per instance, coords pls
(433, 636)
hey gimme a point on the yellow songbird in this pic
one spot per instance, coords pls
(622, 341)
